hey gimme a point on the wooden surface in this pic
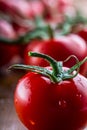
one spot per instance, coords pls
(8, 116)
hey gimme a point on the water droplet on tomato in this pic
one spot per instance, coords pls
(79, 95)
(62, 104)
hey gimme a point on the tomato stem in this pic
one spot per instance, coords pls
(57, 66)
(38, 33)
(57, 73)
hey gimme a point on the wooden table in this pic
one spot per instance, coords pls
(8, 117)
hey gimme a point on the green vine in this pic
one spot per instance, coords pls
(57, 73)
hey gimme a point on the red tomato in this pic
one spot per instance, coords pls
(14, 7)
(37, 8)
(66, 5)
(59, 8)
(7, 52)
(6, 29)
(83, 33)
(59, 49)
(22, 8)
(43, 105)
(20, 29)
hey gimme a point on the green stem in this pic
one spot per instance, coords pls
(68, 24)
(38, 33)
(40, 23)
(50, 32)
(56, 74)
(37, 69)
(56, 66)
(23, 39)
(76, 65)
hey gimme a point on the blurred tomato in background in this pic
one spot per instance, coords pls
(19, 18)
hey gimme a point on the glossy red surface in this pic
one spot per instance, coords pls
(42, 105)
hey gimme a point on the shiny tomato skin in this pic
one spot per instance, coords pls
(22, 8)
(43, 105)
(6, 30)
(59, 49)
(83, 34)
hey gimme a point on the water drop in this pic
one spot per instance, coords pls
(62, 103)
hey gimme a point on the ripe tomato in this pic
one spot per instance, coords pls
(59, 8)
(83, 33)
(14, 8)
(43, 105)
(7, 52)
(59, 49)
(22, 8)
(51, 97)
(6, 29)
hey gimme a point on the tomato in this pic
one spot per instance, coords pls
(7, 52)
(59, 49)
(83, 34)
(59, 8)
(22, 8)
(37, 8)
(66, 5)
(14, 7)
(45, 105)
(6, 29)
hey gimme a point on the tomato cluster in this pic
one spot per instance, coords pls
(48, 98)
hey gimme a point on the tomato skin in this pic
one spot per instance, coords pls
(21, 8)
(14, 8)
(6, 29)
(42, 105)
(83, 34)
(7, 51)
(59, 49)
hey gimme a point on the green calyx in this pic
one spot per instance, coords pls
(56, 74)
